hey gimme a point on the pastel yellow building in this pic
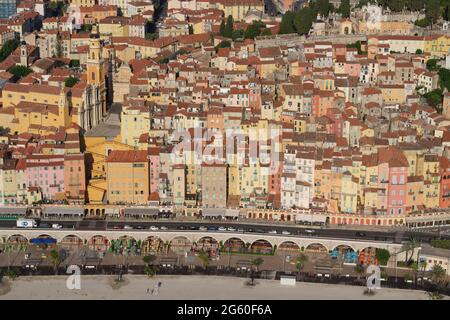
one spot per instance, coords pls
(127, 177)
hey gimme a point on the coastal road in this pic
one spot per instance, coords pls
(393, 236)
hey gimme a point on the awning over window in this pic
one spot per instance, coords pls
(65, 211)
(232, 213)
(21, 211)
(213, 212)
(311, 217)
(141, 211)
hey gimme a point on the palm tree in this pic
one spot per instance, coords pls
(204, 258)
(149, 259)
(150, 271)
(300, 262)
(257, 262)
(359, 269)
(56, 259)
(409, 247)
(437, 275)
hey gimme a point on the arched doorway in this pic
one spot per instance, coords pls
(180, 245)
(316, 248)
(234, 245)
(261, 246)
(152, 245)
(71, 242)
(289, 246)
(345, 253)
(98, 243)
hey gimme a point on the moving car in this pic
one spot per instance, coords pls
(128, 227)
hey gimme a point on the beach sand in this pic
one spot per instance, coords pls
(190, 288)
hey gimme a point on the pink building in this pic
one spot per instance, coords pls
(155, 168)
(392, 175)
(47, 173)
(74, 178)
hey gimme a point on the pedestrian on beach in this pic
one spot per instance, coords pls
(148, 290)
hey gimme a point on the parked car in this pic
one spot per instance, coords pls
(212, 228)
(117, 227)
(360, 234)
(153, 228)
(163, 228)
(203, 228)
(309, 231)
(241, 230)
(231, 229)
(222, 229)
(273, 231)
(128, 227)
(285, 232)
(140, 227)
(57, 226)
(193, 228)
(182, 228)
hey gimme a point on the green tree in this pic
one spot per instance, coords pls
(222, 28)
(70, 82)
(383, 256)
(254, 30)
(59, 48)
(303, 20)
(359, 270)
(229, 27)
(418, 51)
(423, 23)
(7, 48)
(408, 247)
(434, 99)
(74, 63)
(237, 34)
(20, 71)
(223, 44)
(56, 259)
(323, 7)
(151, 271)
(432, 64)
(446, 13)
(344, 8)
(396, 5)
(287, 23)
(415, 5)
(437, 275)
(432, 11)
(257, 262)
(300, 262)
(204, 258)
(191, 29)
(149, 259)
(444, 81)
